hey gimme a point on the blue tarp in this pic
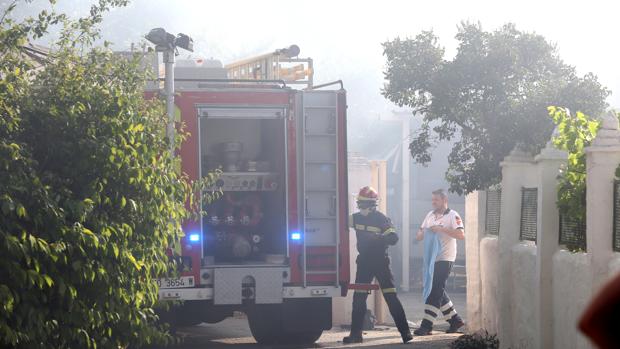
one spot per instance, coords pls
(432, 247)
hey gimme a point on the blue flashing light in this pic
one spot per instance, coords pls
(296, 236)
(195, 237)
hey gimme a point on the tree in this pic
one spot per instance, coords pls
(490, 97)
(574, 134)
(90, 197)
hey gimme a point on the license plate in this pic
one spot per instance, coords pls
(181, 282)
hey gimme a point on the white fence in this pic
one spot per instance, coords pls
(532, 293)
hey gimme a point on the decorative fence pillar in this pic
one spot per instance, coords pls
(474, 232)
(514, 167)
(603, 157)
(549, 161)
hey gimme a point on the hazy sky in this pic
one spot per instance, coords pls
(344, 37)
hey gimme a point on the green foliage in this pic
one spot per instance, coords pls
(574, 133)
(490, 97)
(478, 340)
(89, 196)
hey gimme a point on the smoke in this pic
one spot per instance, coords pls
(344, 37)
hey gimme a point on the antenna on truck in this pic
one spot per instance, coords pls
(282, 64)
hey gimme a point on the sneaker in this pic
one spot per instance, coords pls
(422, 331)
(407, 337)
(353, 338)
(455, 326)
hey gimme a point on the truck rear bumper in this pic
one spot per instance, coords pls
(186, 294)
(287, 292)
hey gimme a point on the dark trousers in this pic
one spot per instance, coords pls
(367, 270)
(438, 305)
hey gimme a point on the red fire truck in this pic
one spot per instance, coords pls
(275, 245)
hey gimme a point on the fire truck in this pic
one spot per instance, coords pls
(275, 245)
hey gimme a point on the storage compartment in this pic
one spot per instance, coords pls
(247, 225)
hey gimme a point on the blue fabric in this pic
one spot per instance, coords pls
(432, 247)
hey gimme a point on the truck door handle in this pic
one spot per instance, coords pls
(306, 123)
(331, 128)
(306, 207)
(332, 206)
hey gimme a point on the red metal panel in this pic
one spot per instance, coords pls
(321, 259)
(189, 165)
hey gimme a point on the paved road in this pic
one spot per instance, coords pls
(233, 333)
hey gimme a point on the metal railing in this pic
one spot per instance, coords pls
(616, 231)
(572, 233)
(529, 214)
(492, 211)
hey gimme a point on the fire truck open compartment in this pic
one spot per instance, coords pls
(246, 225)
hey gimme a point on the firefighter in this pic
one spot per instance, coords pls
(375, 233)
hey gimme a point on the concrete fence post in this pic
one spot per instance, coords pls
(514, 167)
(602, 159)
(475, 208)
(547, 241)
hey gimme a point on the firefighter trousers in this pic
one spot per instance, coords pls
(367, 270)
(438, 305)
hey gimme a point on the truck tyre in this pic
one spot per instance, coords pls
(268, 328)
(307, 336)
(297, 321)
(266, 324)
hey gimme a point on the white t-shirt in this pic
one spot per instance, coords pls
(449, 219)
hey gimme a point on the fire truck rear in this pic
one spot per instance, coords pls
(275, 244)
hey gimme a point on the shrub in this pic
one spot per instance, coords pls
(478, 340)
(89, 196)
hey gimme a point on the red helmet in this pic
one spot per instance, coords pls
(368, 194)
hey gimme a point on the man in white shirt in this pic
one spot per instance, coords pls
(448, 226)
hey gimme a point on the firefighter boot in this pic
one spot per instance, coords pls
(455, 324)
(357, 318)
(407, 337)
(353, 338)
(426, 328)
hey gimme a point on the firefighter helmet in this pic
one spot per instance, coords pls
(368, 197)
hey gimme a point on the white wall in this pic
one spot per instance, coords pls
(362, 172)
(524, 324)
(359, 176)
(489, 268)
(571, 292)
(614, 264)
(533, 294)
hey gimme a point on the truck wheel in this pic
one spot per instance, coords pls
(265, 330)
(266, 323)
(282, 323)
(305, 337)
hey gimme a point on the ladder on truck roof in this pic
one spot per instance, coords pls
(282, 64)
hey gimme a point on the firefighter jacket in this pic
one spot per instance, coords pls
(375, 233)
